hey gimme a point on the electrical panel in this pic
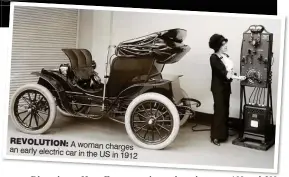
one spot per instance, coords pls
(256, 113)
(256, 56)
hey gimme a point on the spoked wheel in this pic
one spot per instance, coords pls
(33, 109)
(152, 121)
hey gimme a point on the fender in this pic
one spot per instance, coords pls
(164, 87)
(63, 81)
(56, 89)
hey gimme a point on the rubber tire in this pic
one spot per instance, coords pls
(52, 106)
(164, 100)
(184, 120)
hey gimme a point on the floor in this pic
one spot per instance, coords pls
(193, 148)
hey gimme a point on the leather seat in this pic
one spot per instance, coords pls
(81, 63)
(126, 71)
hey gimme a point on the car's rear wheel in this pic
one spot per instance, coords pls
(32, 109)
(152, 121)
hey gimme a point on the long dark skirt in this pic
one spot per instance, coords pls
(219, 126)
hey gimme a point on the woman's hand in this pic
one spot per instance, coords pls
(242, 78)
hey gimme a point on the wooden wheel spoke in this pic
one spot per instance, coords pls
(22, 112)
(145, 109)
(164, 121)
(146, 133)
(36, 120)
(30, 120)
(42, 112)
(30, 99)
(159, 133)
(162, 114)
(141, 115)
(139, 121)
(27, 100)
(141, 128)
(153, 135)
(25, 117)
(40, 116)
(35, 95)
(163, 127)
(157, 110)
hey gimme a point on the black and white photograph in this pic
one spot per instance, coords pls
(143, 87)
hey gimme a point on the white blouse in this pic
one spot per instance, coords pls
(229, 65)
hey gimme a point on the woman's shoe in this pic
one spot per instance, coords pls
(216, 142)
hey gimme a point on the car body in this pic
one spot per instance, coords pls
(133, 92)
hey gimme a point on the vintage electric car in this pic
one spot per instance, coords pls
(133, 91)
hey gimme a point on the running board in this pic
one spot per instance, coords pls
(79, 115)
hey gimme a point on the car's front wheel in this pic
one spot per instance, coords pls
(32, 109)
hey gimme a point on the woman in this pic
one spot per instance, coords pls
(222, 76)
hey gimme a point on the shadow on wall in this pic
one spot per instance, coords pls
(195, 65)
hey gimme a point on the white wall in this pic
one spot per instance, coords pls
(94, 35)
(85, 31)
(195, 65)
